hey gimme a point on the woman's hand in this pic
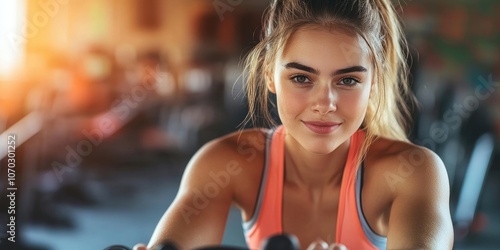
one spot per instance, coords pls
(140, 247)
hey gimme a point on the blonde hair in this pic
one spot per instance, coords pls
(375, 21)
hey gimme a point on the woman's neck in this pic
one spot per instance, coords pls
(311, 170)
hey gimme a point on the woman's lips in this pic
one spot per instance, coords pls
(320, 127)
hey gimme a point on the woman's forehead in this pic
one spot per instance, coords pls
(316, 45)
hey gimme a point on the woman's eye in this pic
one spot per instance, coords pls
(349, 81)
(300, 79)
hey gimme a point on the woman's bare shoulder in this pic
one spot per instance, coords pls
(384, 150)
(237, 144)
(399, 162)
(240, 156)
(242, 148)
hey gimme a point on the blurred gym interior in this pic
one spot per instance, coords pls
(109, 100)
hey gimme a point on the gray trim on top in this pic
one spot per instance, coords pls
(377, 240)
(247, 225)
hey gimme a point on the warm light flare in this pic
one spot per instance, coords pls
(12, 15)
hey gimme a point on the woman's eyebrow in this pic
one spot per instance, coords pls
(299, 66)
(350, 70)
(296, 65)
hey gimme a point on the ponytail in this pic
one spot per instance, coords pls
(390, 116)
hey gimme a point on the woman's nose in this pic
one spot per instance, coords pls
(324, 100)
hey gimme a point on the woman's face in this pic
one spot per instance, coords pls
(322, 81)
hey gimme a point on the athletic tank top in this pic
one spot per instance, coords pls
(352, 228)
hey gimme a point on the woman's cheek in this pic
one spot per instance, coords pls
(354, 107)
(292, 102)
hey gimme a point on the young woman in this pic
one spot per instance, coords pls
(339, 168)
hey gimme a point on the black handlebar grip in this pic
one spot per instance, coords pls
(282, 242)
(167, 246)
(221, 248)
(118, 247)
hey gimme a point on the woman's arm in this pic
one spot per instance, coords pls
(420, 214)
(198, 215)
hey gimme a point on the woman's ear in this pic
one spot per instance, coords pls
(270, 82)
